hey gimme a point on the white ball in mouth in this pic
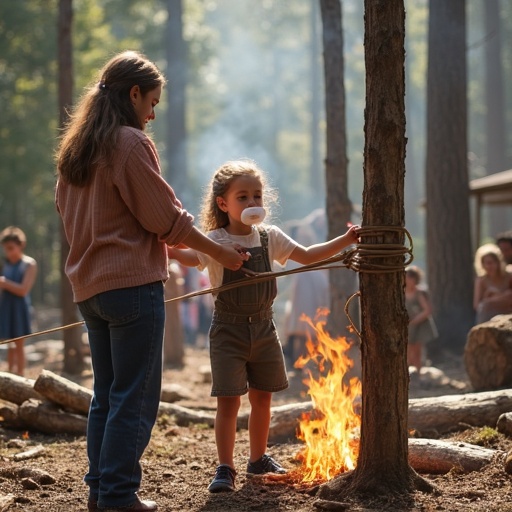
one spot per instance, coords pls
(253, 215)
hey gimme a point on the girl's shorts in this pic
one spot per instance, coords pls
(246, 355)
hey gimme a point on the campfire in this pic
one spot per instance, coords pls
(331, 431)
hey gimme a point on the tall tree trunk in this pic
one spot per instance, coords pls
(315, 172)
(338, 205)
(73, 354)
(449, 252)
(382, 466)
(176, 112)
(495, 101)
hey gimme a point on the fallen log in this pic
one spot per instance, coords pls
(430, 416)
(438, 457)
(48, 418)
(285, 420)
(10, 416)
(488, 354)
(185, 416)
(68, 394)
(16, 389)
(449, 413)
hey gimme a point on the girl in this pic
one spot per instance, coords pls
(246, 355)
(118, 215)
(19, 275)
(421, 324)
(493, 285)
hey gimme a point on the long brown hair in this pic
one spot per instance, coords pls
(211, 216)
(91, 133)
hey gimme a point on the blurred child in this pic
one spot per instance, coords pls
(493, 284)
(421, 325)
(19, 274)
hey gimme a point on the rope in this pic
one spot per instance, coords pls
(356, 259)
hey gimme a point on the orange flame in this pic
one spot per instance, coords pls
(331, 431)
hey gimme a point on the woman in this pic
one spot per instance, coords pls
(118, 215)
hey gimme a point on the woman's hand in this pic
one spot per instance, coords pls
(230, 257)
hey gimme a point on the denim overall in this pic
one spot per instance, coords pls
(249, 303)
(244, 344)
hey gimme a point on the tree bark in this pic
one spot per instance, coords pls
(16, 389)
(496, 108)
(73, 354)
(176, 119)
(343, 282)
(449, 251)
(382, 467)
(67, 394)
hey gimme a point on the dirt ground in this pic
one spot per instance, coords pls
(180, 461)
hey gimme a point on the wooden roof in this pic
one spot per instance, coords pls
(493, 189)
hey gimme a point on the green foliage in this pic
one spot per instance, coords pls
(249, 94)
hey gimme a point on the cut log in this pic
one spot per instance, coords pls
(16, 389)
(51, 419)
(185, 416)
(488, 354)
(438, 457)
(68, 394)
(285, 420)
(449, 413)
(10, 416)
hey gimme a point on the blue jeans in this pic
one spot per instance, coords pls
(126, 329)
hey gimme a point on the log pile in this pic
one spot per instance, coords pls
(52, 404)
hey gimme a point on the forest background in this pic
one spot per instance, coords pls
(253, 82)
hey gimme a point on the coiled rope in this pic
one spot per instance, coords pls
(359, 258)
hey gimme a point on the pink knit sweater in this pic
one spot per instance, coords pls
(118, 225)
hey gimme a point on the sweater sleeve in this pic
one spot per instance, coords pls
(148, 196)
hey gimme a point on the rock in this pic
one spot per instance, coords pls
(174, 392)
(205, 373)
(488, 354)
(504, 424)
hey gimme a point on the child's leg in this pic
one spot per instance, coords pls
(225, 428)
(414, 355)
(259, 422)
(16, 357)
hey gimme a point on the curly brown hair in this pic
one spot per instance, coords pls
(211, 216)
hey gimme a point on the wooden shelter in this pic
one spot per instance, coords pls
(494, 189)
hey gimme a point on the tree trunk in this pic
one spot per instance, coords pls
(382, 467)
(176, 121)
(338, 206)
(496, 108)
(316, 181)
(174, 338)
(449, 251)
(73, 354)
